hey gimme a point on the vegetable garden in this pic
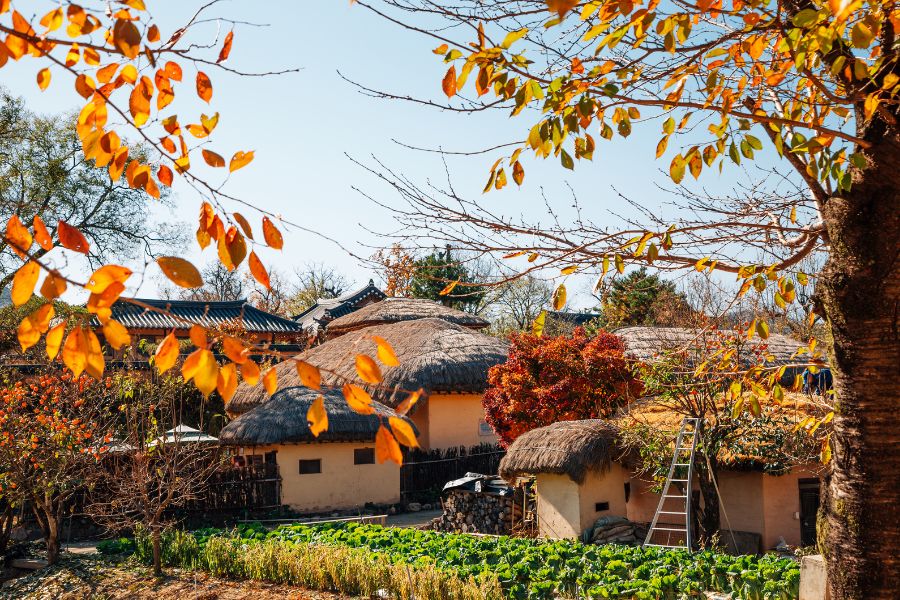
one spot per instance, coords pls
(440, 565)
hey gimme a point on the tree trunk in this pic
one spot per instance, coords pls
(156, 542)
(52, 534)
(709, 516)
(860, 295)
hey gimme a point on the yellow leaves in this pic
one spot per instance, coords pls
(410, 401)
(367, 369)
(448, 84)
(385, 352)
(106, 275)
(235, 350)
(561, 7)
(250, 372)
(32, 326)
(139, 101)
(403, 432)
(213, 159)
(74, 352)
(126, 38)
(24, 281)
(18, 236)
(197, 336)
(677, 168)
(271, 234)
(52, 20)
(512, 37)
(762, 329)
(232, 248)
(180, 271)
(442, 49)
(43, 78)
(41, 235)
(115, 333)
(71, 238)
(204, 87)
(310, 376)
(862, 34)
(240, 160)
(166, 353)
(85, 86)
(537, 326)
(358, 399)
(201, 367)
(316, 417)
(448, 288)
(386, 447)
(559, 297)
(53, 341)
(227, 381)
(81, 353)
(226, 48)
(270, 381)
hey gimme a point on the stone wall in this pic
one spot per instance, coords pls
(473, 512)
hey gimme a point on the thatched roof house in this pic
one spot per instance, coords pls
(565, 448)
(396, 310)
(647, 343)
(434, 354)
(283, 419)
(339, 469)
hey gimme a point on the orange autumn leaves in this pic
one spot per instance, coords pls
(392, 431)
(100, 70)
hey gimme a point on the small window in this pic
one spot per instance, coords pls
(254, 459)
(601, 506)
(308, 467)
(364, 456)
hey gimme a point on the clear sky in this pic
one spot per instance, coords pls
(302, 126)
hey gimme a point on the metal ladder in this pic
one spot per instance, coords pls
(689, 433)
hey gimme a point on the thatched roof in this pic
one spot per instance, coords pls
(647, 343)
(434, 355)
(566, 448)
(283, 419)
(395, 310)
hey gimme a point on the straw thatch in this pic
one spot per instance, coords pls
(434, 355)
(566, 448)
(283, 419)
(647, 343)
(395, 310)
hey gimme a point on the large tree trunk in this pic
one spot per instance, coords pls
(156, 542)
(52, 539)
(709, 515)
(860, 294)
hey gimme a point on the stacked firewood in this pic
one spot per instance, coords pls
(470, 512)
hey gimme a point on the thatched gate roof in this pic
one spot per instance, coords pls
(395, 310)
(566, 448)
(434, 355)
(283, 419)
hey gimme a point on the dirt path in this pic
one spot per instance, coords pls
(87, 578)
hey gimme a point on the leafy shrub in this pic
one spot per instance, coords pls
(564, 378)
(117, 546)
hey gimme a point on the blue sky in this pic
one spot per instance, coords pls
(302, 126)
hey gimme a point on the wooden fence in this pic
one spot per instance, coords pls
(423, 474)
(249, 488)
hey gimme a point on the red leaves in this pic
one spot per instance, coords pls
(548, 379)
(226, 48)
(71, 238)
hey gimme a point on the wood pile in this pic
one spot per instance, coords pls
(473, 512)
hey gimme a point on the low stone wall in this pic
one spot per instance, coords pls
(473, 512)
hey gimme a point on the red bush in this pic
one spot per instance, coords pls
(549, 379)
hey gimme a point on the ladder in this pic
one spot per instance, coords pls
(677, 505)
